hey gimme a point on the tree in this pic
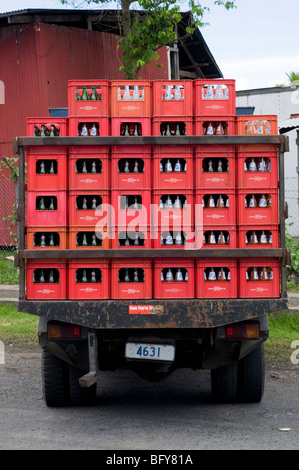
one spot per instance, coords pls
(293, 78)
(142, 35)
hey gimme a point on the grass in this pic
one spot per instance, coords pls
(20, 331)
(9, 274)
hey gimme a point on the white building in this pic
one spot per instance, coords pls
(283, 102)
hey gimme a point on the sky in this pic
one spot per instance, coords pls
(256, 43)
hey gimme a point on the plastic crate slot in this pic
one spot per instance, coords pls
(46, 276)
(46, 239)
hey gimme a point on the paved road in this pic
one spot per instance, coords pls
(131, 414)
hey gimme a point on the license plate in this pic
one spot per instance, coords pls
(154, 352)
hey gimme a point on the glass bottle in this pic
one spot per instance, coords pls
(84, 277)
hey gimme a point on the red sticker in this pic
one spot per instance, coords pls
(141, 309)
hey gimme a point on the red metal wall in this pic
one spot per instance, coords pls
(36, 62)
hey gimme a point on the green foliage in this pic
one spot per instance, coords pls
(283, 330)
(293, 78)
(293, 245)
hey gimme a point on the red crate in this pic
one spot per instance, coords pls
(224, 216)
(79, 216)
(130, 289)
(130, 238)
(38, 238)
(266, 236)
(89, 168)
(214, 97)
(172, 98)
(248, 148)
(34, 126)
(259, 288)
(169, 125)
(124, 102)
(123, 210)
(256, 125)
(131, 126)
(214, 125)
(130, 161)
(181, 175)
(98, 106)
(166, 216)
(89, 126)
(219, 237)
(97, 275)
(98, 235)
(216, 288)
(257, 215)
(174, 238)
(46, 290)
(183, 268)
(47, 217)
(47, 171)
(223, 179)
(257, 170)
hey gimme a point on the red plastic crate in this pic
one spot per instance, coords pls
(167, 216)
(214, 125)
(172, 98)
(223, 174)
(141, 289)
(89, 126)
(47, 171)
(124, 102)
(257, 215)
(248, 148)
(96, 238)
(123, 210)
(181, 175)
(223, 216)
(124, 166)
(99, 107)
(220, 237)
(45, 217)
(46, 290)
(131, 126)
(257, 170)
(214, 97)
(89, 168)
(256, 125)
(88, 280)
(179, 268)
(257, 288)
(169, 125)
(216, 289)
(88, 216)
(174, 238)
(34, 126)
(266, 236)
(46, 238)
(130, 238)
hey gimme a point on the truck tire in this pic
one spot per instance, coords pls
(55, 380)
(224, 383)
(80, 396)
(252, 376)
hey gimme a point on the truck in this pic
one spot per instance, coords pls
(155, 335)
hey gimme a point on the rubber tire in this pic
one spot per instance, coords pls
(80, 396)
(224, 383)
(252, 376)
(55, 380)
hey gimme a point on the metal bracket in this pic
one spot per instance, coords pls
(92, 376)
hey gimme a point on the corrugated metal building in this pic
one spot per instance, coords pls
(40, 50)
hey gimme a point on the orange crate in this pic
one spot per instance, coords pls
(214, 97)
(182, 283)
(46, 208)
(217, 208)
(88, 238)
(212, 283)
(266, 214)
(173, 171)
(215, 170)
(88, 280)
(130, 98)
(171, 207)
(89, 126)
(256, 125)
(87, 208)
(130, 206)
(130, 238)
(46, 238)
(99, 106)
(266, 236)
(130, 269)
(48, 270)
(172, 98)
(130, 169)
(45, 126)
(89, 168)
(259, 283)
(47, 171)
(172, 126)
(257, 170)
(214, 125)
